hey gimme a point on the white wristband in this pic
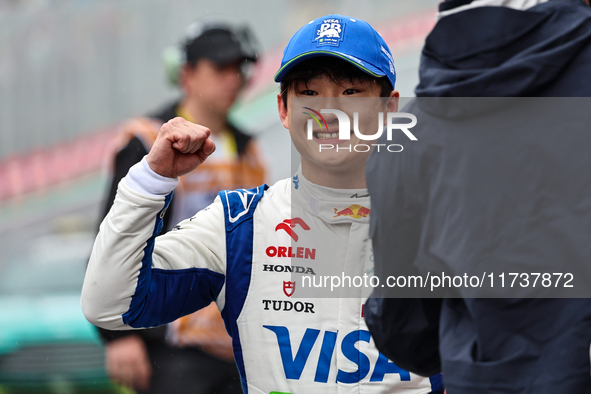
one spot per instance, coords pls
(142, 179)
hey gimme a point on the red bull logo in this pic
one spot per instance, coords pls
(355, 211)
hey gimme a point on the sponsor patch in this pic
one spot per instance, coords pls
(288, 288)
(329, 32)
(288, 224)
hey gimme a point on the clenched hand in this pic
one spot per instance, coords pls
(179, 148)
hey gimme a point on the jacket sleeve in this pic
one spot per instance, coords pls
(406, 330)
(135, 279)
(404, 325)
(131, 154)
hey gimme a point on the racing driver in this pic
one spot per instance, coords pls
(242, 250)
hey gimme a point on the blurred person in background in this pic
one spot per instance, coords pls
(471, 191)
(211, 71)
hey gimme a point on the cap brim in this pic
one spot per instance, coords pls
(362, 65)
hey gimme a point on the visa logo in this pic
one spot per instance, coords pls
(294, 365)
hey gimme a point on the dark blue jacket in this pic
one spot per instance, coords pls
(467, 193)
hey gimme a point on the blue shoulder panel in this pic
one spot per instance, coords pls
(239, 204)
(157, 298)
(239, 207)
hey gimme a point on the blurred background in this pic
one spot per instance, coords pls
(70, 72)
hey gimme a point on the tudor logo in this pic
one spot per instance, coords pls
(288, 224)
(287, 306)
(288, 288)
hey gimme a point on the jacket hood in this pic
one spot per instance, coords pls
(503, 52)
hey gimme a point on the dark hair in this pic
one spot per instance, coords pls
(223, 44)
(335, 70)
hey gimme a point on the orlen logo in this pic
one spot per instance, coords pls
(345, 129)
(287, 251)
(288, 224)
(294, 366)
(295, 253)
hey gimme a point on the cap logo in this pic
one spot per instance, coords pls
(329, 32)
(390, 60)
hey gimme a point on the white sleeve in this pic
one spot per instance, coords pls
(136, 280)
(142, 179)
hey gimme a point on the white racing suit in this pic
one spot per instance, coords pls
(241, 252)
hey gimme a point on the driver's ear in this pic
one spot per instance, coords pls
(393, 101)
(283, 113)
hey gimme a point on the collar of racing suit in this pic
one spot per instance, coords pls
(331, 205)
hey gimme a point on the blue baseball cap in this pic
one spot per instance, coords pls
(344, 37)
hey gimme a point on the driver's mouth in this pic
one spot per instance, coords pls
(325, 136)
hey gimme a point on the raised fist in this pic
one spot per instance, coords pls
(179, 148)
